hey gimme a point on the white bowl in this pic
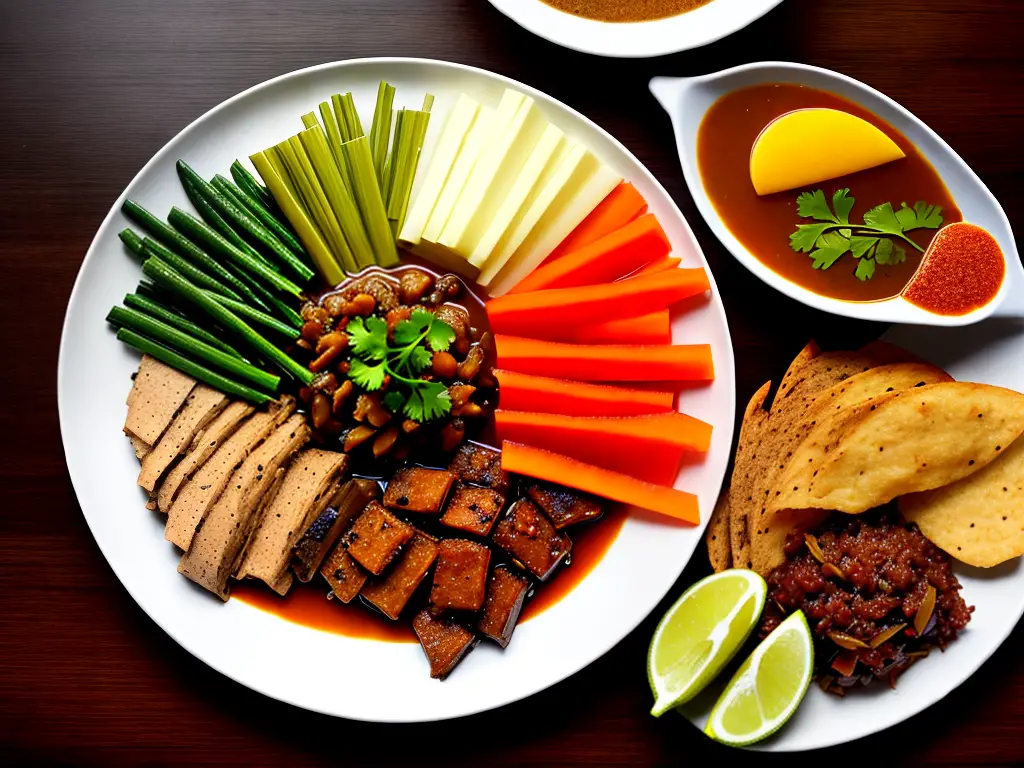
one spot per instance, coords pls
(687, 100)
(640, 39)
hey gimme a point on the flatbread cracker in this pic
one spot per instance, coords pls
(754, 418)
(717, 535)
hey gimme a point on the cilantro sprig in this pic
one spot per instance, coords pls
(403, 357)
(875, 241)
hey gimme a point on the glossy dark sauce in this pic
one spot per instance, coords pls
(626, 10)
(764, 223)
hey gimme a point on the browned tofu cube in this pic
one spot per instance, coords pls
(460, 577)
(376, 538)
(415, 489)
(563, 507)
(311, 549)
(343, 573)
(445, 642)
(506, 592)
(480, 466)
(389, 594)
(531, 539)
(474, 510)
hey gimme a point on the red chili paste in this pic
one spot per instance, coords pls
(961, 271)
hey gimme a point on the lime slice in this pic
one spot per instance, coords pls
(700, 633)
(765, 692)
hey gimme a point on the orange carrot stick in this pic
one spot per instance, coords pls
(540, 394)
(615, 255)
(660, 265)
(655, 328)
(605, 362)
(537, 312)
(647, 447)
(621, 206)
(553, 468)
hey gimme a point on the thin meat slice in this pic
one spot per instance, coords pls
(203, 445)
(202, 405)
(202, 490)
(220, 541)
(156, 396)
(309, 480)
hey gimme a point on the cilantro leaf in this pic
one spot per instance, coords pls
(368, 338)
(394, 401)
(865, 268)
(369, 377)
(883, 218)
(427, 401)
(830, 247)
(890, 253)
(409, 331)
(812, 205)
(805, 237)
(859, 245)
(440, 335)
(419, 360)
(921, 216)
(843, 204)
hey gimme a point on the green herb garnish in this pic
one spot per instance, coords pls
(403, 358)
(870, 243)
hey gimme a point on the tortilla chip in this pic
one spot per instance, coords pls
(810, 351)
(717, 534)
(979, 520)
(901, 443)
(788, 433)
(741, 488)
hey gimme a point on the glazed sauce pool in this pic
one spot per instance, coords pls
(626, 10)
(764, 223)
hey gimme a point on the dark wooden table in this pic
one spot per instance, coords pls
(92, 88)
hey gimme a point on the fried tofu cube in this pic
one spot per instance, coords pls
(531, 539)
(343, 573)
(473, 510)
(376, 538)
(506, 592)
(478, 465)
(390, 594)
(563, 507)
(460, 577)
(445, 642)
(416, 489)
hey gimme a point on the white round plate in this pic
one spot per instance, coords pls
(306, 667)
(640, 39)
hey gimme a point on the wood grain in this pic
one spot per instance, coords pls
(92, 88)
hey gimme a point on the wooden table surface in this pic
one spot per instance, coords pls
(92, 88)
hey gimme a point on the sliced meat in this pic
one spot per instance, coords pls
(141, 447)
(220, 541)
(531, 539)
(479, 465)
(377, 537)
(473, 510)
(308, 481)
(506, 592)
(343, 573)
(445, 642)
(415, 489)
(460, 578)
(156, 396)
(391, 593)
(316, 541)
(563, 507)
(201, 406)
(203, 445)
(202, 490)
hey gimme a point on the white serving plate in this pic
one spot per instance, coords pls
(641, 39)
(687, 100)
(329, 673)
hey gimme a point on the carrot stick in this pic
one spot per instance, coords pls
(615, 255)
(660, 265)
(621, 206)
(540, 394)
(647, 447)
(537, 312)
(654, 328)
(553, 468)
(605, 362)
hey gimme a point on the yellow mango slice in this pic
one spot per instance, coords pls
(809, 146)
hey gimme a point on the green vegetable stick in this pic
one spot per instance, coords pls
(210, 216)
(334, 139)
(253, 188)
(153, 248)
(271, 222)
(380, 129)
(196, 371)
(153, 308)
(371, 205)
(192, 346)
(131, 241)
(267, 321)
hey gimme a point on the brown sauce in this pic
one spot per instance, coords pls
(626, 10)
(307, 604)
(764, 223)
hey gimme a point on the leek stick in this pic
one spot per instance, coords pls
(334, 140)
(371, 205)
(349, 115)
(309, 120)
(380, 129)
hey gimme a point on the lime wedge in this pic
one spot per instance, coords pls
(700, 633)
(765, 692)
